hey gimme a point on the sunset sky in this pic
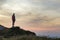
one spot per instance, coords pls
(40, 16)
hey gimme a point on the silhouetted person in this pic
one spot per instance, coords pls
(13, 19)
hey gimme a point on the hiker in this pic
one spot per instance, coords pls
(13, 19)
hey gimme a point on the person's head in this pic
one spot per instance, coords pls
(13, 13)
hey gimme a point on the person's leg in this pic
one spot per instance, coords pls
(13, 23)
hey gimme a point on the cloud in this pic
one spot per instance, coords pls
(52, 4)
(2, 2)
(44, 7)
(32, 12)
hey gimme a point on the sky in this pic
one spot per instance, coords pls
(40, 16)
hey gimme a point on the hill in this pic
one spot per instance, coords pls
(14, 31)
